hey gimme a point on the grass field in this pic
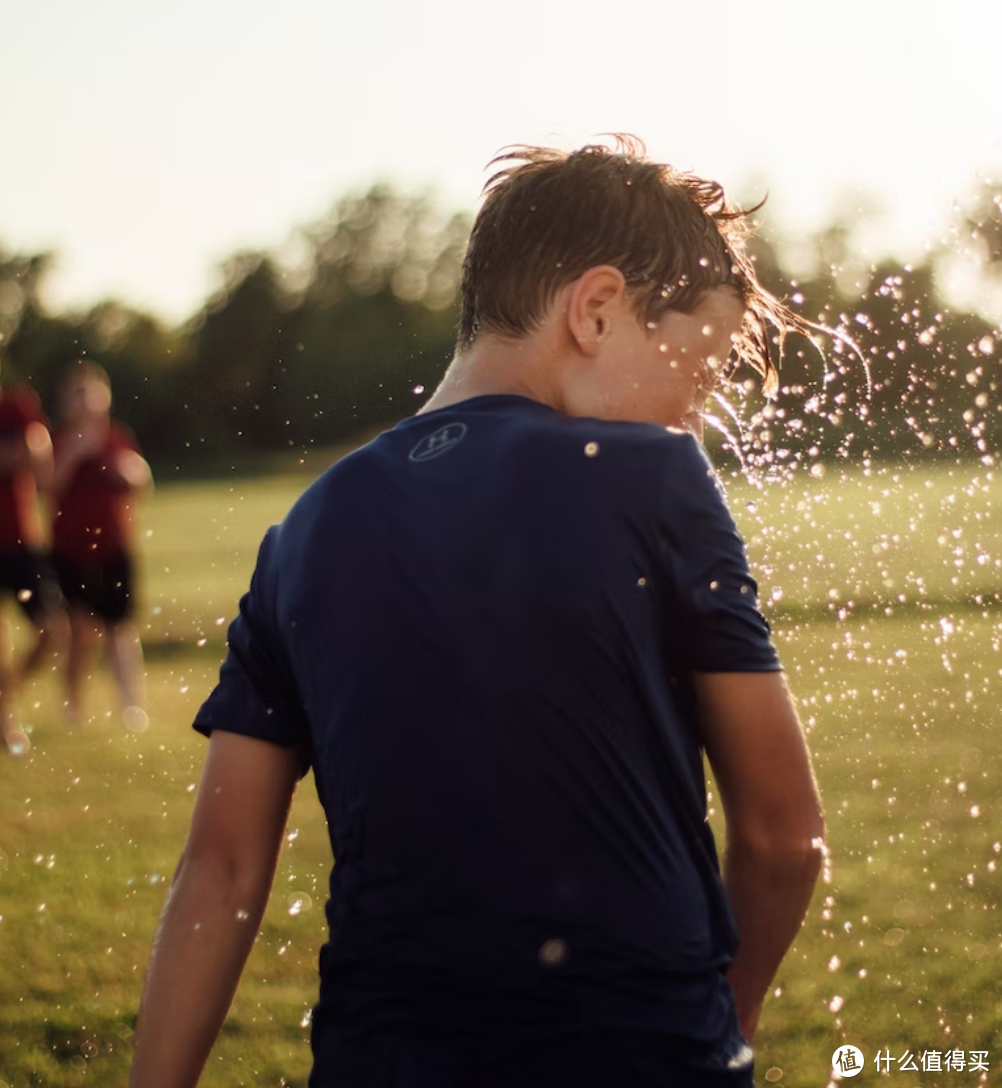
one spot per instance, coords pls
(882, 591)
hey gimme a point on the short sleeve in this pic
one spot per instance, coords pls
(714, 595)
(256, 695)
(14, 417)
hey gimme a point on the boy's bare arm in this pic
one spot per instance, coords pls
(214, 907)
(775, 828)
(38, 443)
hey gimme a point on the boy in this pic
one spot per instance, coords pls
(98, 472)
(25, 573)
(500, 635)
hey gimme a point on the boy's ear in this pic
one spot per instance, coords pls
(595, 301)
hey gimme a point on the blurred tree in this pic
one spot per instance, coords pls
(238, 348)
(346, 334)
(314, 353)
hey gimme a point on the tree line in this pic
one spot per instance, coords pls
(300, 356)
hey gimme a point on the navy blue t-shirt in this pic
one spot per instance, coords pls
(481, 629)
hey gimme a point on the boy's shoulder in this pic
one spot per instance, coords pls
(513, 433)
(498, 438)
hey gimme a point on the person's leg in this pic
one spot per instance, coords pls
(125, 651)
(52, 636)
(41, 601)
(125, 658)
(82, 635)
(15, 740)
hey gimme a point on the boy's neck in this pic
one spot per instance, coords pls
(498, 366)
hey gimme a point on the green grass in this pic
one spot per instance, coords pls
(899, 695)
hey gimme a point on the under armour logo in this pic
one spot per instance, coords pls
(438, 442)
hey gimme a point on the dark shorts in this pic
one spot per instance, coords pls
(602, 1061)
(28, 576)
(103, 589)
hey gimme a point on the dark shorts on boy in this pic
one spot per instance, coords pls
(28, 576)
(602, 1060)
(104, 588)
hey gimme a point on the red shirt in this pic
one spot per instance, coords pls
(20, 523)
(93, 520)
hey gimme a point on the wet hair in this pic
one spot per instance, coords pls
(548, 216)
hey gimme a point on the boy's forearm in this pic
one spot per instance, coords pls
(205, 934)
(769, 895)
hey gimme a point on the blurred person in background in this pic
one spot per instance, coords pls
(25, 571)
(504, 634)
(98, 471)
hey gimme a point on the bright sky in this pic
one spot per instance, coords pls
(146, 140)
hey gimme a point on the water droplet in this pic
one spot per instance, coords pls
(834, 963)
(292, 835)
(17, 743)
(817, 470)
(751, 507)
(552, 953)
(894, 937)
(298, 903)
(135, 719)
(220, 620)
(591, 449)
(836, 1003)
(307, 1017)
(201, 642)
(24, 596)
(975, 811)
(774, 1074)
(418, 390)
(714, 586)
(242, 916)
